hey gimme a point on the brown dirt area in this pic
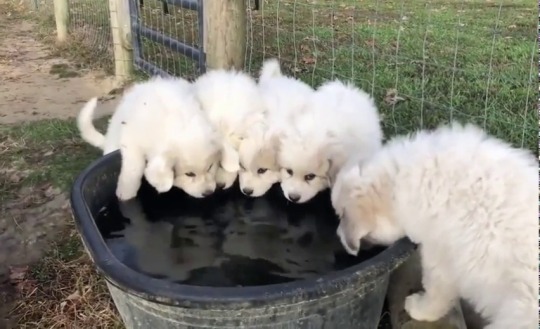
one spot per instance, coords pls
(35, 85)
(45, 276)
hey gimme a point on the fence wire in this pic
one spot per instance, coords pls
(178, 23)
(425, 62)
(90, 41)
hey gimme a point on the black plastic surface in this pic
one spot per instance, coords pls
(350, 298)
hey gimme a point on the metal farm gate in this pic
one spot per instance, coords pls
(140, 31)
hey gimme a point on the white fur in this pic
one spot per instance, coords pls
(338, 120)
(283, 97)
(107, 143)
(232, 102)
(471, 203)
(84, 122)
(160, 129)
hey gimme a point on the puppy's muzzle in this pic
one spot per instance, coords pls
(247, 191)
(207, 193)
(294, 197)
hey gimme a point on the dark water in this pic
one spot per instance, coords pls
(225, 240)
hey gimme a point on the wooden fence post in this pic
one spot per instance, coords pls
(122, 42)
(224, 33)
(61, 16)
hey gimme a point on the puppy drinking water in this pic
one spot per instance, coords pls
(283, 97)
(159, 129)
(338, 120)
(471, 203)
(232, 102)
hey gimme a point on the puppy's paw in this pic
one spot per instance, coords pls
(124, 194)
(163, 185)
(421, 308)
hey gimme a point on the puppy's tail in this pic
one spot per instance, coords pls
(270, 69)
(86, 127)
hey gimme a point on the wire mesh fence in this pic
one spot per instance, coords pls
(90, 41)
(425, 62)
(180, 24)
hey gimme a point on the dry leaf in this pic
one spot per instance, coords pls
(308, 60)
(28, 287)
(17, 273)
(392, 97)
(51, 191)
(74, 296)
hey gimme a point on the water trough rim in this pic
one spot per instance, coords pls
(169, 293)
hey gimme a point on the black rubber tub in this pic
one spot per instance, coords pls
(345, 299)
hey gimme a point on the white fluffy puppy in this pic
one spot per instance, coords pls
(283, 97)
(471, 203)
(232, 102)
(159, 129)
(340, 119)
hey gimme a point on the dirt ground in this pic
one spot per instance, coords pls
(35, 85)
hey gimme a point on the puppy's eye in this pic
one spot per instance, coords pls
(190, 174)
(210, 167)
(289, 171)
(309, 177)
(261, 171)
(242, 167)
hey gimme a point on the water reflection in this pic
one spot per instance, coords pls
(227, 240)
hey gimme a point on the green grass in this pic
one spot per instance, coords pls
(50, 150)
(63, 289)
(90, 40)
(458, 60)
(471, 60)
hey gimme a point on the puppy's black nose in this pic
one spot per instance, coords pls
(220, 186)
(294, 197)
(247, 191)
(207, 193)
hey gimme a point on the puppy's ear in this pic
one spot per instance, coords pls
(230, 160)
(331, 163)
(331, 174)
(350, 234)
(372, 199)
